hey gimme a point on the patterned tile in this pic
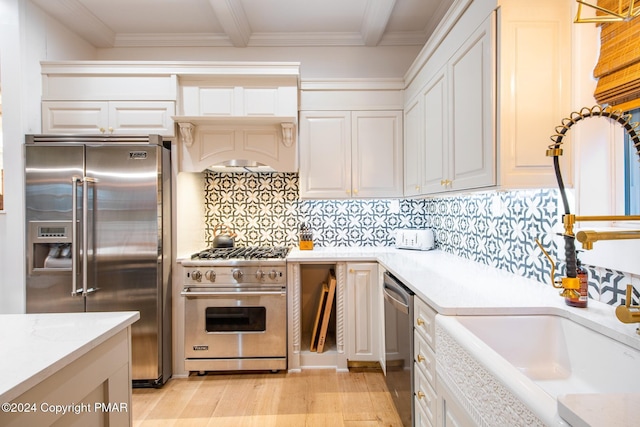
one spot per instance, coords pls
(613, 285)
(497, 228)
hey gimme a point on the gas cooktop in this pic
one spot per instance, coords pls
(242, 253)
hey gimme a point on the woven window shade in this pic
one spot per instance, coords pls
(618, 68)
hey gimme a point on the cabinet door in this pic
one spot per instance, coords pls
(472, 117)
(376, 162)
(413, 147)
(75, 117)
(363, 319)
(450, 413)
(436, 139)
(325, 154)
(122, 117)
(530, 112)
(136, 117)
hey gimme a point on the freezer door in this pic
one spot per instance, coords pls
(49, 195)
(125, 216)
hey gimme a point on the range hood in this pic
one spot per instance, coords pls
(238, 145)
(245, 121)
(241, 166)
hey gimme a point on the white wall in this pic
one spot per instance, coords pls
(27, 36)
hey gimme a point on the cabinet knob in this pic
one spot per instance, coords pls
(420, 358)
(355, 191)
(110, 130)
(420, 395)
(419, 321)
(418, 187)
(349, 192)
(102, 130)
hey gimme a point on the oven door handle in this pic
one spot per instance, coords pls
(187, 293)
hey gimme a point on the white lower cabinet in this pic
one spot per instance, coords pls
(425, 395)
(424, 364)
(363, 319)
(450, 412)
(108, 117)
(354, 330)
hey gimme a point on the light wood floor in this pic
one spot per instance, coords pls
(310, 398)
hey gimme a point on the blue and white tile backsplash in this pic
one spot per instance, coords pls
(497, 228)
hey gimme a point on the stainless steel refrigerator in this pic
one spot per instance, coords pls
(98, 236)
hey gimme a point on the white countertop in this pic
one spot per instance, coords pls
(456, 286)
(35, 346)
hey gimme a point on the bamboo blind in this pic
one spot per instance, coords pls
(618, 68)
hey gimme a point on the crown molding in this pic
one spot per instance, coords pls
(172, 40)
(352, 84)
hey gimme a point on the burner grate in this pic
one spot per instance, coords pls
(249, 253)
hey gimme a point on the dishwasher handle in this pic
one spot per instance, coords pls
(391, 294)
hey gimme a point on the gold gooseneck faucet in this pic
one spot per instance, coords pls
(571, 283)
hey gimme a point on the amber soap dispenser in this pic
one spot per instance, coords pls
(583, 299)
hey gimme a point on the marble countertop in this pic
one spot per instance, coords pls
(35, 346)
(457, 286)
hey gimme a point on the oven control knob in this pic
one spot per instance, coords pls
(237, 274)
(260, 274)
(273, 275)
(210, 275)
(196, 275)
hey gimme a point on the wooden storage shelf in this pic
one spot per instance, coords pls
(312, 278)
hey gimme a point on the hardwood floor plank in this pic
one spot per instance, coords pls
(205, 399)
(356, 401)
(309, 398)
(381, 399)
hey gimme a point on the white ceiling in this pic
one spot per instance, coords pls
(243, 23)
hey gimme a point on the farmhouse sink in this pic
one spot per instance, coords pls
(529, 361)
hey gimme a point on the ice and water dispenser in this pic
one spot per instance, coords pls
(49, 245)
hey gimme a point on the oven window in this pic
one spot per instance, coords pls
(235, 319)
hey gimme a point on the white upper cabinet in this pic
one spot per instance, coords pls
(221, 98)
(325, 154)
(107, 97)
(449, 120)
(346, 154)
(434, 158)
(471, 75)
(484, 96)
(535, 90)
(354, 151)
(117, 118)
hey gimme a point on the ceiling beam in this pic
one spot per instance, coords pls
(234, 21)
(376, 17)
(80, 20)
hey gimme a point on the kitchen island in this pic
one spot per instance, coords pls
(66, 365)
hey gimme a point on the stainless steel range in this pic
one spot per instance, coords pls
(236, 309)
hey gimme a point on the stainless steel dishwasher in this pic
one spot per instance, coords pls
(398, 324)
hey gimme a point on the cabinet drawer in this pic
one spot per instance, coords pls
(424, 395)
(424, 321)
(425, 358)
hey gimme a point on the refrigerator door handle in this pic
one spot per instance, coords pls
(74, 236)
(85, 234)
